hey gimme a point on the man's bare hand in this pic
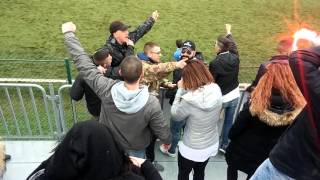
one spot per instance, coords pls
(68, 27)
(137, 161)
(155, 15)
(130, 42)
(101, 69)
(182, 63)
(171, 85)
(228, 28)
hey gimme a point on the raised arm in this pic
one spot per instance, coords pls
(143, 28)
(98, 83)
(234, 48)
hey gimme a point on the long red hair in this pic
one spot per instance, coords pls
(278, 76)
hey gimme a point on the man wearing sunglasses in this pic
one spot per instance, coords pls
(155, 72)
(188, 52)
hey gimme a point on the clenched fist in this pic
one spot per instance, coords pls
(155, 15)
(68, 27)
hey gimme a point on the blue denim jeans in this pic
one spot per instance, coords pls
(267, 171)
(175, 128)
(137, 153)
(230, 109)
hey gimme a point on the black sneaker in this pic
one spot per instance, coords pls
(7, 157)
(158, 166)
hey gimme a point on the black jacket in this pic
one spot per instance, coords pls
(298, 152)
(90, 151)
(120, 51)
(253, 136)
(176, 76)
(80, 88)
(225, 68)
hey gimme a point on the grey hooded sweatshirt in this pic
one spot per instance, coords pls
(133, 116)
(201, 110)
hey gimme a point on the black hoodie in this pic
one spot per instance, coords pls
(297, 153)
(90, 152)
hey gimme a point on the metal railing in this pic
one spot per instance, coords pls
(27, 111)
(32, 67)
(63, 69)
(34, 113)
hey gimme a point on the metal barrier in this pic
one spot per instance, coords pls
(34, 117)
(28, 111)
(45, 116)
(61, 106)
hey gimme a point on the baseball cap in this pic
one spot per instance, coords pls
(189, 45)
(118, 26)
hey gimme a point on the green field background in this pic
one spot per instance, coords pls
(30, 29)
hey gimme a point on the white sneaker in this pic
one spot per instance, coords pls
(165, 151)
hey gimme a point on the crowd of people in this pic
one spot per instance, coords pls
(275, 136)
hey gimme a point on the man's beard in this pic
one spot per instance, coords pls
(186, 57)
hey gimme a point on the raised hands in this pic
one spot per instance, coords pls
(228, 28)
(68, 27)
(155, 15)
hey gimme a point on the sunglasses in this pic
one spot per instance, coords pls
(186, 51)
(159, 52)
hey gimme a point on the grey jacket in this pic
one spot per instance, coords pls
(201, 110)
(132, 126)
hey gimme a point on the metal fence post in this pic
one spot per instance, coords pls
(55, 103)
(68, 70)
(69, 76)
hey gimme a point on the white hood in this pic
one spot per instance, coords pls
(206, 97)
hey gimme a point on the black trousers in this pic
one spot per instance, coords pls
(150, 149)
(186, 165)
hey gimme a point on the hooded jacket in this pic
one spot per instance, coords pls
(89, 151)
(297, 153)
(253, 135)
(120, 51)
(133, 116)
(201, 110)
(225, 68)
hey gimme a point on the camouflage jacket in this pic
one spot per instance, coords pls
(155, 75)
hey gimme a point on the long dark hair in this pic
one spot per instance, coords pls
(224, 43)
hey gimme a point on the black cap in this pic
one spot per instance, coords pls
(189, 45)
(118, 26)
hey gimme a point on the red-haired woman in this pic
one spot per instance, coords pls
(274, 104)
(198, 101)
